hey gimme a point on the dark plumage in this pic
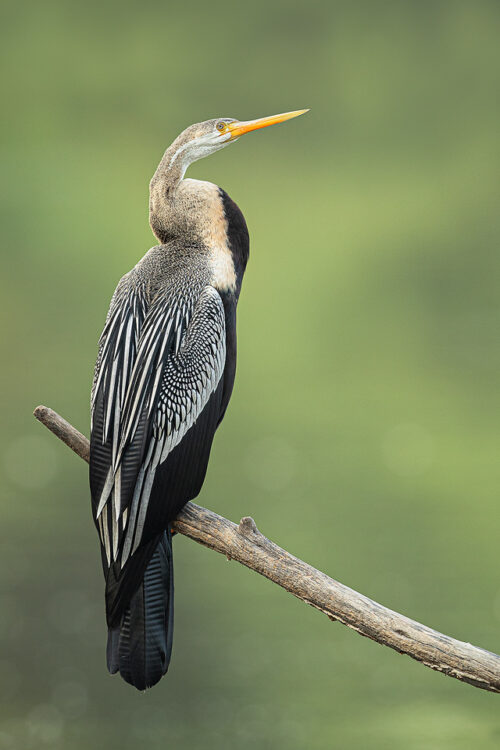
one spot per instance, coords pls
(163, 379)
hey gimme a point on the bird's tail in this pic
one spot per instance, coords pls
(140, 647)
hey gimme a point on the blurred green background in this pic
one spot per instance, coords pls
(363, 431)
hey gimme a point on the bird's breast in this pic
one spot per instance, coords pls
(222, 269)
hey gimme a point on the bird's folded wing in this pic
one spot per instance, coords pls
(179, 364)
(115, 360)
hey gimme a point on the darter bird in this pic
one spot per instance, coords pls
(163, 379)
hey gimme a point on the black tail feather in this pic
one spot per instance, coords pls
(141, 646)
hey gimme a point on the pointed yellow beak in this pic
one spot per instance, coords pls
(240, 128)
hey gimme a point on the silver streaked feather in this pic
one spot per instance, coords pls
(161, 380)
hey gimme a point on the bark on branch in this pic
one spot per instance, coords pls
(248, 546)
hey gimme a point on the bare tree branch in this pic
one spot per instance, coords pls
(248, 546)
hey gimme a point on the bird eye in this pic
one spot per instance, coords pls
(221, 126)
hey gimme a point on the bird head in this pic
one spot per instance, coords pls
(205, 138)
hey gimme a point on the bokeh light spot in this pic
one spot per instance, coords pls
(45, 724)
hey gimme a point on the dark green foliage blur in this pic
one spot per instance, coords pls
(363, 432)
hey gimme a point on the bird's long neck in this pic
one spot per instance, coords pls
(182, 208)
(163, 216)
(170, 170)
(199, 214)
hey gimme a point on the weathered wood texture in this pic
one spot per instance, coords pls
(64, 431)
(249, 547)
